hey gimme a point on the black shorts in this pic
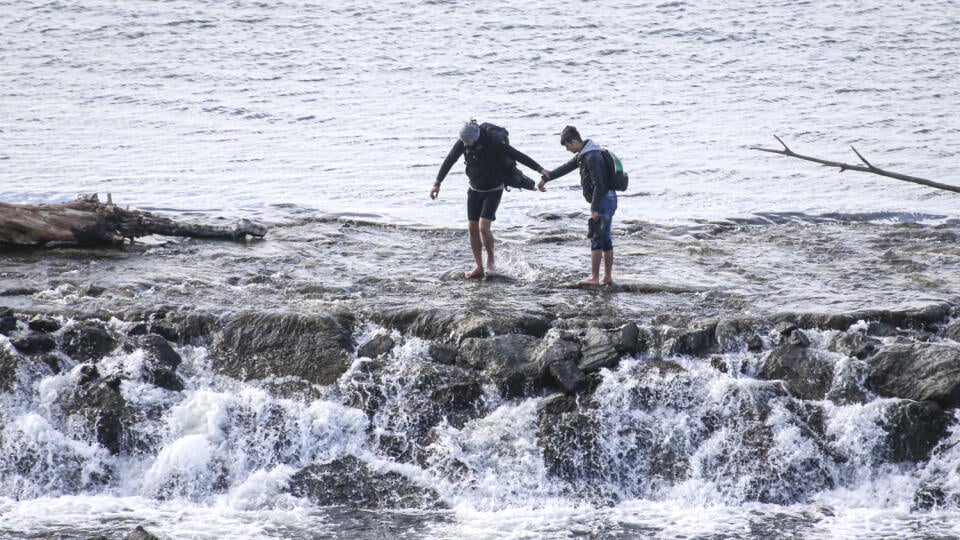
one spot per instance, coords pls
(483, 204)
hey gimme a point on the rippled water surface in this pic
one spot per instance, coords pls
(328, 122)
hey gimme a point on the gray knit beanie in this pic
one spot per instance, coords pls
(470, 132)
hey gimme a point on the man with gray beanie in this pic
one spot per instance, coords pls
(485, 150)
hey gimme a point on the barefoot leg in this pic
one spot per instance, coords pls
(608, 267)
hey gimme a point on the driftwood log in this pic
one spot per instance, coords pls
(867, 167)
(87, 221)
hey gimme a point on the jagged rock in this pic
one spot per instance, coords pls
(507, 360)
(921, 372)
(732, 335)
(854, 344)
(348, 481)
(791, 334)
(98, 407)
(698, 342)
(140, 534)
(568, 376)
(914, 428)
(797, 338)
(31, 342)
(627, 339)
(88, 341)
(558, 355)
(807, 373)
(41, 323)
(159, 352)
(597, 350)
(160, 362)
(256, 346)
(380, 344)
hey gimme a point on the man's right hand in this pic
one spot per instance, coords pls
(542, 186)
(434, 191)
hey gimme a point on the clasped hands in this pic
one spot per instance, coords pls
(544, 176)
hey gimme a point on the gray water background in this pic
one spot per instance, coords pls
(328, 123)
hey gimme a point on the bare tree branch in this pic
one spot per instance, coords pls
(868, 168)
(87, 221)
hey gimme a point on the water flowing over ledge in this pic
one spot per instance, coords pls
(339, 370)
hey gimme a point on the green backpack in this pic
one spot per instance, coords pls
(616, 176)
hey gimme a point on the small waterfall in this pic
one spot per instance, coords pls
(658, 429)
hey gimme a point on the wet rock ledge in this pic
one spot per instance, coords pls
(911, 355)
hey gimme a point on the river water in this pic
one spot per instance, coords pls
(328, 121)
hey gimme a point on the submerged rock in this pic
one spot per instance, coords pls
(921, 318)
(8, 322)
(160, 362)
(807, 373)
(569, 437)
(315, 348)
(96, 406)
(8, 370)
(140, 534)
(854, 344)
(506, 360)
(953, 331)
(348, 481)
(381, 344)
(44, 324)
(914, 429)
(31, 342)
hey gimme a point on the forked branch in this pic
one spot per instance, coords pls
(867, 167)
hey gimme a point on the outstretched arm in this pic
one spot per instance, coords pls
(523, 158)
(558, 172)
(451, 158)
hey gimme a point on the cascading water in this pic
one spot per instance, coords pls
(658, 435)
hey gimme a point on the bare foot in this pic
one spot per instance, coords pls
(608, 281)
(473, 274)
(491, 270)
(590, 281)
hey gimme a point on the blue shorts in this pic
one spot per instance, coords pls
(608, 206)
(483, 204)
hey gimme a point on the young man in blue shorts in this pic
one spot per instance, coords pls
(597, 192)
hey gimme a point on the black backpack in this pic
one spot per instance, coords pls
(512, 175)
(617, 178)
